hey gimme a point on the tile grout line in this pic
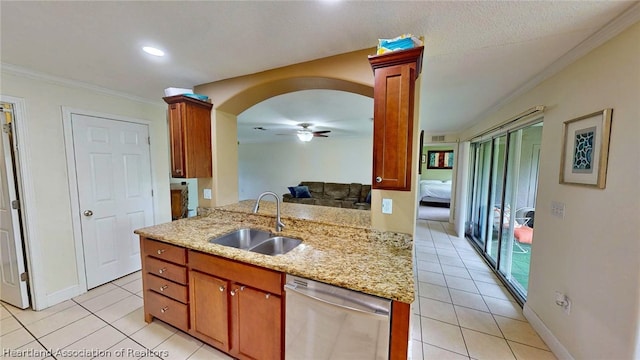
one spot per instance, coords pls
(485, 303)
(111, 325)
(464, 341)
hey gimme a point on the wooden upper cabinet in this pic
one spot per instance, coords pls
(190, 135)
(393, 101)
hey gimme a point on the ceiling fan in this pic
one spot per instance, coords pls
(305, 134)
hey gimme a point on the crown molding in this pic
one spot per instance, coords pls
(35, 75)
(604, 34)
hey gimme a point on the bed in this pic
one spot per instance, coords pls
(435, 192)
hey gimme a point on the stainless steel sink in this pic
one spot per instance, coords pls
(259, 241)
(242, 238)
(276, 245)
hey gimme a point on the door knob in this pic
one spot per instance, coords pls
(378, 179)
(88, 213)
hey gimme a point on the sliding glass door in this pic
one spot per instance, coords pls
(495, 196)
(503, 185)
(476, 227)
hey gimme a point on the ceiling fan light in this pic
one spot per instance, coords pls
(305, 135)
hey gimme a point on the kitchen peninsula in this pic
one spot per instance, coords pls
(338, 248)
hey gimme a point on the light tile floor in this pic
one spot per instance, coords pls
(461, 311)
(105, 323)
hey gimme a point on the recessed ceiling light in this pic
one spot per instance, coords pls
(153, 51)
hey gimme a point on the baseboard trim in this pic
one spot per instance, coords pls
(552, 342)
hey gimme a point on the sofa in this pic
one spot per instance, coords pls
(350, 196)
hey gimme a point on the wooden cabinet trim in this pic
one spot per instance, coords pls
(250, 275)
(399, 342)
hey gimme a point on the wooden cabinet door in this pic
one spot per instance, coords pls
(393, 127)
(393, 101)
(209, 309)
(257, 324)
(176, 136)
(190, 135)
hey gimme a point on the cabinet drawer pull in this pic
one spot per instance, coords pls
(242, 287)
(221, 288)
(233, 292)
(160, 251)
(162, 288)
(378, 179)
(162, 270)
(164, 309)
(267, 296)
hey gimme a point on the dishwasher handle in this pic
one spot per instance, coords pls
(371, 313)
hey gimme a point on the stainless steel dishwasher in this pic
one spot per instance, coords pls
(329, 322)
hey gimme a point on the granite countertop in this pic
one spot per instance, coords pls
(338, 247)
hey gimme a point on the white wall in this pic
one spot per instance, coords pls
(275, 166)
(592, 254)
(57, 275)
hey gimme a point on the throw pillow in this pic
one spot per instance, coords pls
(302, 192)
(368, 199)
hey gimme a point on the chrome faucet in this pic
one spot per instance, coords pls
(279, 224)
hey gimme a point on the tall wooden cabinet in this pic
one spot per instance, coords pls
(393, 101)
(190, 136)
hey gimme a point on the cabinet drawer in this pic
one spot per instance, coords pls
(250, 275)
(167, 310)
(164, 251)
(166, 288)
(166, 270)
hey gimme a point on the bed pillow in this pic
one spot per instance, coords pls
(299, 191)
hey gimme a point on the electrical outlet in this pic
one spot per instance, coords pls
(557, 209)
(387, 206)
(207, 194)
(564, 302)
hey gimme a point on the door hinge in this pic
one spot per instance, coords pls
(24, 277)
(151, 193)
(6, 128)
(15, 204)
(149, 140)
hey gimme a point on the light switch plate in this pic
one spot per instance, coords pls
(387, 206)
(207, 194)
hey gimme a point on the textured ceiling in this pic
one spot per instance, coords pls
(476, 53)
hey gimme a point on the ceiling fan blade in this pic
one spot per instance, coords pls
(322, 132)
(320, 135)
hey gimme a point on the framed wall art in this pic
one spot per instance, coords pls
(585, 149)
(440, 159)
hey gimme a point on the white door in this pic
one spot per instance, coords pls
(13, 289)
(113, 172)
